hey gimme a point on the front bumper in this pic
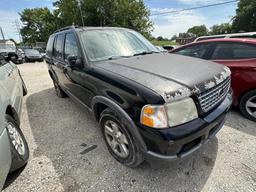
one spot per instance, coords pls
(34, 58)
(178, 142)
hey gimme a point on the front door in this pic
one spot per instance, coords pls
(74, 77)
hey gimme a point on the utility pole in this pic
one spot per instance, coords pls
(17, 28)
(80, 9)
(2, 33)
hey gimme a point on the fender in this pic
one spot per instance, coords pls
(123, 116)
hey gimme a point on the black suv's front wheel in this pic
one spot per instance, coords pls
(119, 141)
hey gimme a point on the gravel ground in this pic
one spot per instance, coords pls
(59, 132)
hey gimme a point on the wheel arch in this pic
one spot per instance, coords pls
(99, 103)
(13, 113)
(243, 93)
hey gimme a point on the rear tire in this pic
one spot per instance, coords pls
(119, 141)
(59, 92)
(247, 105)
(18, 144)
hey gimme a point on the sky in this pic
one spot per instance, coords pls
(165, 25)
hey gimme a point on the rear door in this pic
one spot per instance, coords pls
(58, 59)
(241, 59)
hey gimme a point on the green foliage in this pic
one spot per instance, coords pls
(221, 29)
(245, 19)
(38, 24)
(198, 30)
(162, 43)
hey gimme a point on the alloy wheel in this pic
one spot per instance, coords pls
(251, 106)
(116, 139)
(16, 139)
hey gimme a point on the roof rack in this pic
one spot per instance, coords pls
(66, 28)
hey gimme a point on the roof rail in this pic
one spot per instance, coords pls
(66, 28)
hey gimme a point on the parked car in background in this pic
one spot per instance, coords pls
(233, 35)
(41, 51)
(5, 49)
(161, 49)
(150, 105)
(32, 55)
(21, 52)
(240, 56)
(14, 151)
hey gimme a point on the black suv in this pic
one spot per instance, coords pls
(150, 105)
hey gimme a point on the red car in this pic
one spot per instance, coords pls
(240, 56)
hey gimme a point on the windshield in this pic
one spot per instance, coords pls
(31, 51)
(6, 46)
(114, 43)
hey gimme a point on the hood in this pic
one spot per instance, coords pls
(7, 51)
(170, 75)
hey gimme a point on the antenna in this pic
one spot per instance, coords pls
(80, 9)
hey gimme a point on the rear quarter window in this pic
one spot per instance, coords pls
(49, 46)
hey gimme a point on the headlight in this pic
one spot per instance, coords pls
(170, 114)
(180, 112)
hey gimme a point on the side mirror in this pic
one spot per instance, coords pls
(75, 61)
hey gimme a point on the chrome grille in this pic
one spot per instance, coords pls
(213, 96)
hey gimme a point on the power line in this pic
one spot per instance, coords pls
(193, 8)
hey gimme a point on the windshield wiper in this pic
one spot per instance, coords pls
(145, 53)
(117, 57)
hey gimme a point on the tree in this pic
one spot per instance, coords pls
(160, 38)
(245, 19)
(221, 29)
(198, 30)
(174, 37)
(38, 23)
(120, 13)
(185, 35)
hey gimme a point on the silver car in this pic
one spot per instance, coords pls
(14, 151)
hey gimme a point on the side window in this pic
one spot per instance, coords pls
(225, 51)
(194, 50)
(71, 47)
(57, 53)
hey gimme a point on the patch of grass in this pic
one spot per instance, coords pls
(162, 43)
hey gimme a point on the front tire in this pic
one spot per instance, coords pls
(247, 105)
(118, 139)
(18, 144)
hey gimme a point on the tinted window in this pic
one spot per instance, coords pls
(50, 45)
(71, 47)
(194, 50)
(58, 47)
(234, 51)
